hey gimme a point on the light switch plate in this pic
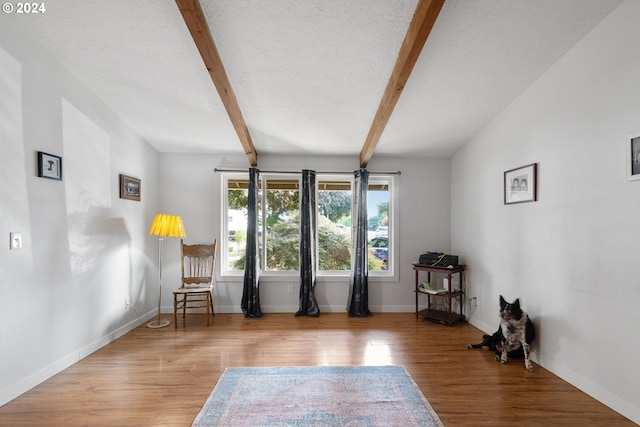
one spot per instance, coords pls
(15, 240)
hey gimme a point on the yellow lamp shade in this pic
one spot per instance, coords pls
(167, 226)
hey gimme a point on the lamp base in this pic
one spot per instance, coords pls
(158, 324)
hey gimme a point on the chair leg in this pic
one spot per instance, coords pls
(184, 301)
(175, 307)
(208, 307)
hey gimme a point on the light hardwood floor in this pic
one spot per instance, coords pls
(161, 377)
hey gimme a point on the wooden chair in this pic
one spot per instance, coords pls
(198, 266)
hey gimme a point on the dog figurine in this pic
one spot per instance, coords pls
(515, 329)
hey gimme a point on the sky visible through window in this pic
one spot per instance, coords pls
(373, 198)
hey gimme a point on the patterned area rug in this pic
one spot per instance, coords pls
(353, 396)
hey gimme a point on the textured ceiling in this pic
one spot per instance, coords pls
(309, 75)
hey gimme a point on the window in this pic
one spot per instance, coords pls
(378, 201)
(282, 218)
(279, 223)
(235, 228)
(334, 223)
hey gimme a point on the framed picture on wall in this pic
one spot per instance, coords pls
(521, 184)
(633, 157)
(129, 188)
(49, 166)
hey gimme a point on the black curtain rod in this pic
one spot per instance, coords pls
(216, 170)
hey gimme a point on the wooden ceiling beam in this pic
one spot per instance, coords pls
(199, 28)
(424, 18)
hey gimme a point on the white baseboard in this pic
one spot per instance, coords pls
(323, 309)
(14, 390)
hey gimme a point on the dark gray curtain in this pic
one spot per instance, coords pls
(308, 231)
(358, 305)
(251, 292)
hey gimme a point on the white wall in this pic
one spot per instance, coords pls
(572, 256)
(84, 249)
(192, 189)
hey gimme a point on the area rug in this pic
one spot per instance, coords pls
(352, 396)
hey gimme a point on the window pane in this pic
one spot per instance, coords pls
(236, 227)
(334, 225)
(283, 224)
(378, 218)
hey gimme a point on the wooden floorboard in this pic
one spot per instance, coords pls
(161, 377)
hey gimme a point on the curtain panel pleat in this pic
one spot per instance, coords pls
(358, 304)
(308, 306)
(251, 291)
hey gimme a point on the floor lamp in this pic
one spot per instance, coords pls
(164, 226)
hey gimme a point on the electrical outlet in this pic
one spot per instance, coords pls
(290, 289)
(127, 303)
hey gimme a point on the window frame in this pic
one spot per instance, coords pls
(224, 226)
(391, 181)
(264, 177)
(328, 275)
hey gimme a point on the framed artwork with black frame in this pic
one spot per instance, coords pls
(521, 184)
(49, 166)
(633, 157)
(129, 188)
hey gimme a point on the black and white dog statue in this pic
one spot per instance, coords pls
(514, 336)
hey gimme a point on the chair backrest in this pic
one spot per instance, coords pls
(198, 264)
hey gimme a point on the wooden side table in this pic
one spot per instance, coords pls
(448, 317)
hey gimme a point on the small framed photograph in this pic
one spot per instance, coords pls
(129, 188)
(49, 166)
(520, 184)
(633, 157)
